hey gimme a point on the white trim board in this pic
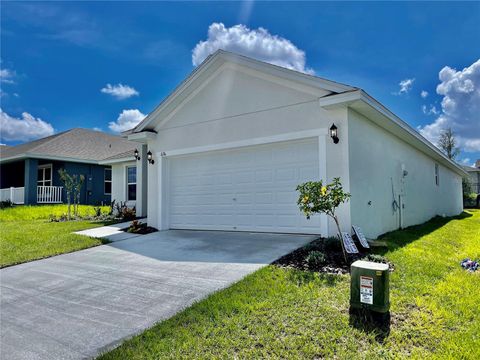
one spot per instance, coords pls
(248, 142)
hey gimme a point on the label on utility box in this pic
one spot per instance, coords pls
(366, 290)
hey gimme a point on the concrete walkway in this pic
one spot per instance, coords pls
(111, 232)
(78, 305)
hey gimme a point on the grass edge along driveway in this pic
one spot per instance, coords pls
(286, 313)
(27, 234)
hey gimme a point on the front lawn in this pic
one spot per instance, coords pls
(287, 313)
(27, 234)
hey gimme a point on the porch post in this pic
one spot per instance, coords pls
(142, 177)
(30, 181)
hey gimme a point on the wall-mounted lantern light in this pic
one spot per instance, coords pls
(334, 134)
(150, 157)
(135, 155)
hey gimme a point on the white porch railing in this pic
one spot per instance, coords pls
(49, 194)
(15, 194)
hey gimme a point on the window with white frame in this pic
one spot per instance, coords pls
(44, 175)
(437, 175)
(131, 183)
(107, 181)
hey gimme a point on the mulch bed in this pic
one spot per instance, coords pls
(334, 262)
(142, 230)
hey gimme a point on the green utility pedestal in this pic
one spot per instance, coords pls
(369, 287)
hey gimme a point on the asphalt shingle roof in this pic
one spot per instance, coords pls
(123, 155)
(81, 144)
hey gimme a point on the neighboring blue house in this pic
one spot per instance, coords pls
(29, 171)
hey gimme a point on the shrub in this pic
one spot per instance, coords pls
(6, 204)
(98, 211)
(122, 211)
(135, 226)
(467, 186)
(59, 218)
(470, 200)
(332, 244)
(128, 214)
(316, 198)
(314, 245)
(315, 259)
(379, 259)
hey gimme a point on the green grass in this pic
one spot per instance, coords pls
(43, 212)
(285, 313)
(27, 234)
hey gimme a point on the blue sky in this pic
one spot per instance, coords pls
(57, 57)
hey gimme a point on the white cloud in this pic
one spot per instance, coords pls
(424, 94)
(466, 161)
(405, 86)
(256, 43)
(460, 107)
(119, 91)
(97, 129)
(6, 76)
(127, 120)
(432, 110)
(23, 129)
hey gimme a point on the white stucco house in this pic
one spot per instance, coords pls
(230, 144)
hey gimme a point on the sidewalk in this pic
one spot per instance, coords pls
(111, 232)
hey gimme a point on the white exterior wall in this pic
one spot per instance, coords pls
(119, 182)
(376, 158)
(237, 106)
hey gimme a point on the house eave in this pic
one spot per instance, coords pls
(368, 106)
(117, 161)
(46, 157)
(142, 137)
(12, 158)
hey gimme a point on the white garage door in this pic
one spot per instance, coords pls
(245, 189)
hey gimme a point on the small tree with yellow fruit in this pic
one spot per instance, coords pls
(316, 198)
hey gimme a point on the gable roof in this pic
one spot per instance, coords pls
(220, 57)
(339, 95)
(77, 145)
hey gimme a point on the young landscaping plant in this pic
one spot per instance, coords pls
(316, 198)
(78, 181)
(73, 184)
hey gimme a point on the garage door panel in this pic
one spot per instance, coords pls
(263, 176)
(263, 198)
(245, 219)
(224, 179)
(244, 177)
(251, 189)
(225, 219)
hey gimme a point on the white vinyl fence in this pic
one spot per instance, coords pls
(15, 194)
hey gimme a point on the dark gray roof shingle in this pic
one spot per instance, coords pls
(123, 155)
(80, 144)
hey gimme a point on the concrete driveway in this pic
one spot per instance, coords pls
(77, 305)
